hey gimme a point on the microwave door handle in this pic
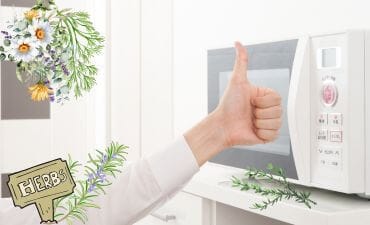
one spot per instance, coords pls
(299, 110)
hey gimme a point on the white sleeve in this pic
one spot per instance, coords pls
(146, 184)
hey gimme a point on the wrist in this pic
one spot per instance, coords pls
(218, 121)
(207, 138)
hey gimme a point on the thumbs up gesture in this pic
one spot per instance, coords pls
(249, 114)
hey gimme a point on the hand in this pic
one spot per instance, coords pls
(246, 115)
(249, 114)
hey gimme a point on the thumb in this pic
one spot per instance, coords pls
(241, 62)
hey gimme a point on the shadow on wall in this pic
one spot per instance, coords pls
(16, 102)
(18, 3)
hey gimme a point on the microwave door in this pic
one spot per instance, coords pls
(269, 65)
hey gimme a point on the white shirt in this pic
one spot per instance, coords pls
(140, 188)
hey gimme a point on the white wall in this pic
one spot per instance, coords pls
(200, 25)
(156, 74)
(125, 45)
(141, 74)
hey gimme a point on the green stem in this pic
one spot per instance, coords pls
(287, 191)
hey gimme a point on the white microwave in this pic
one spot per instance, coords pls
(324, 82)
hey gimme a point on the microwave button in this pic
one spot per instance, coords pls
(336, 136)
(335, 119)
(322, 119)
(330, 163)
(335, 164)
(322, 135)
(323, 162)
(320, 150)
(328, 152)
(337, 153)
(329, 94)
(334, 153)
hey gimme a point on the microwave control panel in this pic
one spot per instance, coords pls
(329, 117)
(337, 111)
(327, 111)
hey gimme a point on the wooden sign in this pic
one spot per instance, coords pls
(40, 185)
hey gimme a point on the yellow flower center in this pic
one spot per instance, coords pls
(24, 48)
(40, 34)
(31, 14)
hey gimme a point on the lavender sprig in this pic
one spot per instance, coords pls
(97, 171)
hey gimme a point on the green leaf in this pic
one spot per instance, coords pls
(27, 35)
(2, 57)
(58, 80)
(7, 42)
(285, 190)
(270, 166)
(58, 215)
(84, 42)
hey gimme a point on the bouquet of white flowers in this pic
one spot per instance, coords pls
(53, 50)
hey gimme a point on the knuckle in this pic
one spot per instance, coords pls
(257, 112)
(258, 101)
(263, 134)
(278, 123)
(257, 123)
(280, 110)
(274, 137)
(259, 132)
(278, 98)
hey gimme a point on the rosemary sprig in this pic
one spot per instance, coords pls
(273, 195)
(73, 169)
(97, 171)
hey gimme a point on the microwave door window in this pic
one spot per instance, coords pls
(269, 65)
(277, 79)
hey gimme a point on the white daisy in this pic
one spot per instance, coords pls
(24, 50)
(41, 30)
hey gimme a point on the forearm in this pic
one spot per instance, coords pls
(207, 138)
(146, 184)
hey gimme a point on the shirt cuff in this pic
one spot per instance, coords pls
(174, 166)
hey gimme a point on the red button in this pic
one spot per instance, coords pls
(329, 94)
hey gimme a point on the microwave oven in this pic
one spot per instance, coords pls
(325, 88)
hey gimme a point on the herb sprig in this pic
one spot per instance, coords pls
(97, 171)
(79, 35)
(276, 175)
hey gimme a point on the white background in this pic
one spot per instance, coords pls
(157, 62)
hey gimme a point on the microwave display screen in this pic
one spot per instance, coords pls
(277, 79)
(329, 57)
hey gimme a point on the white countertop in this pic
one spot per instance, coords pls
(213, 182)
